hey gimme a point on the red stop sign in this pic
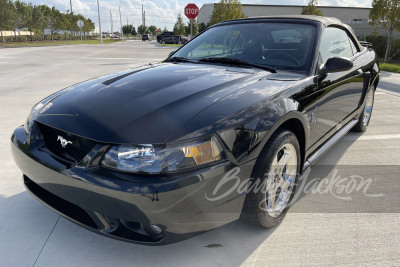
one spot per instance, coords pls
(191, 11)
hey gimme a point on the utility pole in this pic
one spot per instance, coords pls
(70, 3)
(120, 21)
(101, 33)
(143, 17)
(111, 22)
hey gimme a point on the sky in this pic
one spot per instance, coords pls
(161, 13)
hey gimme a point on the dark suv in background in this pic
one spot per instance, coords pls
(176, 39)
(146, 37)
(164, 35)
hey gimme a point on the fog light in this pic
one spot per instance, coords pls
(151, 230)
(156, 229)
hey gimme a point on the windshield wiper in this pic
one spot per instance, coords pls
(234, 61)
(180, 59)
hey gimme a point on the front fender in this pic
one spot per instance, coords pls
(291, 115)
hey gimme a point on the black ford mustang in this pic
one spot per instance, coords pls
(161, 152)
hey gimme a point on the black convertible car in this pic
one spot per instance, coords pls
(224, 130)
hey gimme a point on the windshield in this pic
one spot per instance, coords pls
(284, 46)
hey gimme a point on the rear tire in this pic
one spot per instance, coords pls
(365, 116)
(277, 169)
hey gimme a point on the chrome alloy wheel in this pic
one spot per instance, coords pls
(281, 180)
(368, 107)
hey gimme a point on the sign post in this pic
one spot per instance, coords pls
(80, 25)
(191, 12)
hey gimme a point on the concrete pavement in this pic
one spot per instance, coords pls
(32, 235)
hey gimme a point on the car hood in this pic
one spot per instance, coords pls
(144, 105)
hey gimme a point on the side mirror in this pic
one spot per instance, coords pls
(336, 64)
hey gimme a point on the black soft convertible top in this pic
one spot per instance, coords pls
(326, 21)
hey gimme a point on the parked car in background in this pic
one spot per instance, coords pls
(185, 39)
(146, 37)
(176, 39)
(164, 35)
(220, 130)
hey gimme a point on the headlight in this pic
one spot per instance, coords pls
(32, 116)
(154, 159)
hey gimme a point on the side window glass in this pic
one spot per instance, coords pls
(335, 43)
(353, 47)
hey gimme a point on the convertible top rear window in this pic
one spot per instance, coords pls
(286, 46)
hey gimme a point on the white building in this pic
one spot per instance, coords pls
(356, 17)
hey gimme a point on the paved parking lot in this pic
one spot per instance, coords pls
(32, 235)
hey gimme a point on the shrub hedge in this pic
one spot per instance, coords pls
(379, 44)
(47, 38)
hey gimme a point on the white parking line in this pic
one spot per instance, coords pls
(371, 137)
(379, 90)
(117, 58)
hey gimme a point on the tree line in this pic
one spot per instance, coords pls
(17, 14)
(130, 29)
(181, 29)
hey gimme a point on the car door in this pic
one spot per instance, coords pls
(338, 93)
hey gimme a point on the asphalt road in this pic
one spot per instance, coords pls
(321, 229)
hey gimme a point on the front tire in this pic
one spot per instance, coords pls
(365, 116)
(277, 169)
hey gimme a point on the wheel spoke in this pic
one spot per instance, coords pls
(271, 202)
(284, 159)
(368, 107)
(285, 185)
(274, 165)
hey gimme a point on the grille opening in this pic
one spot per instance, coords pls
(72, 153)
(67, 208)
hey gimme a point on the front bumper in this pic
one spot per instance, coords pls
(115, 204)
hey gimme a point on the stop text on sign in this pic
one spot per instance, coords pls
(191, 11)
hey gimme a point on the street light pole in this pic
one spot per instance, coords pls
(70, 3)
(98, 11)
(112, 26)
(120, 21)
